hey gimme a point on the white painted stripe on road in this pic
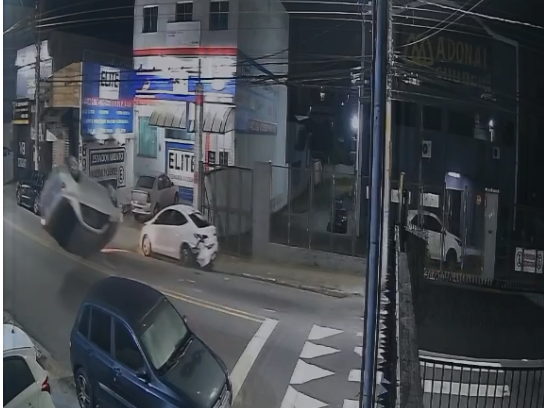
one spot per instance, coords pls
(305, 372)
(250, 354)
(295, 399)
(465, 390)
(441, 366)
(359, 351)
(311, 350)
(350, 404)
(321, 332)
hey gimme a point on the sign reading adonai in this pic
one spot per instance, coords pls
(106, 100)
(529, 260)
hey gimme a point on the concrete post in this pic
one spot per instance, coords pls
(261, 187)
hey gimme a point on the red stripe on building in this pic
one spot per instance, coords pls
(217, 51)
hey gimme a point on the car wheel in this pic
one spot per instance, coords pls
(451, 260)
(176, 199)
(84, 390)
(73, 167)
(18, 197)
(36, 204)
(146, 246)
(185, 256)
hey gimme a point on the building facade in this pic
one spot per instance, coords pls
(237, 50)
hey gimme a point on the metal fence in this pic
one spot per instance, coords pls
(226, 197)
(315, 208)
(450, 383)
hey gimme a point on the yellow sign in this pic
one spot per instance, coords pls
(452, 59)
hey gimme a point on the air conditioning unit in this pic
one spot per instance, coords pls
(426, 149)
(496, 152)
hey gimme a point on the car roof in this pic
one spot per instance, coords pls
(184, 208)
(152, 174)
(129, 299)
(15, 338)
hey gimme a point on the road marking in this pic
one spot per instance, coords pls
(305, 372)
(295, 399)
(320, 332)
(350, 404)
(359, 351)
(465, 390)
(250, 354)
(176, 295)
(311, 350)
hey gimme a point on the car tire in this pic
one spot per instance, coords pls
(36, 204)
(186, 257)
(147, 249)
(84, 391)
(73, 168)
(18, 197)
(176, 199)
(451, 260)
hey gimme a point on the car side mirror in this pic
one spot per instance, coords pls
(172, 184)
(184, 319)
(141, 373)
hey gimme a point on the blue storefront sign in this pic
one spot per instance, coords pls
(107, 95)
(180, 167)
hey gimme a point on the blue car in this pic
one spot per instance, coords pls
(130, 348)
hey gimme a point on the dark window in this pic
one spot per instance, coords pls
(223, 158)
(211, 157)
(432, 118)
(199, 220)
(178, 134)
(17, 377)
(164, 182)
(101, 329)
(405, 113)
(219, 15)
(126, 350)
(83, 327)
(151, 19)
(184, 11)
(461, 123)
(178, 218)
(432, 224)
(165, 218)
(145, 182)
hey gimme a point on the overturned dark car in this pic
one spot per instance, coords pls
(80, 214)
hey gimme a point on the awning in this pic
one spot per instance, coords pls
(218, 119)
(169, 117)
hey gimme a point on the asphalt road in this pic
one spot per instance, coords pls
(284, 347)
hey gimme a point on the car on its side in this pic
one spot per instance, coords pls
(27, 192)
(26, 383)
(80, 214)
(130, 347)
(182, 233)
(152, 193)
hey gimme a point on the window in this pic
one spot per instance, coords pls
(84, 320)
(126, 350)
(164, 182)
(179, 134)
(461, 123)
(219, 15)
(178, 218)
(211, 157)
(405, 114)
(223, 158)
(162, 332)
(432, 224)
(151, 18)
(165, 218)
(147, 138)
(184, 11)
(146, 182)
(17, 377)
(432, 118)
(199, 220)
(101, 329)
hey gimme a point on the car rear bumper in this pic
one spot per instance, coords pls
(140, 209)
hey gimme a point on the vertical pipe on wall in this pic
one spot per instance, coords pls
(37, 69)
(199, 122)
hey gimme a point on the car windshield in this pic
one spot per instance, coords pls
(163, 332)
(199, 220)
(145, 182)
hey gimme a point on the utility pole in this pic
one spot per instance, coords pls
(373, 269)
(199, 122)
(37, 79)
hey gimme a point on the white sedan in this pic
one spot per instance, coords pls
(26, 383)
(182, 233)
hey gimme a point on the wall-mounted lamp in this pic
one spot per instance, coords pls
(454, 175)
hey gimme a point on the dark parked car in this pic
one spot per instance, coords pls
(28, 191)
(131, 348)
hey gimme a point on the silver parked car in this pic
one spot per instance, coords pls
(152, 193)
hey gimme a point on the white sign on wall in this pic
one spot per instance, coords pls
(183, 33)
(109, 83)
(106, 164)
(180, 167)
(528, 260)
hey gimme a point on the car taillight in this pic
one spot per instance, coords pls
(45, 385)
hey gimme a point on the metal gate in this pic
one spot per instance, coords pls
(227, 201)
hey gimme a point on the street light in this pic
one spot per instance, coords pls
(355, 123)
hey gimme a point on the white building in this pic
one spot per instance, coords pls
(176, 44)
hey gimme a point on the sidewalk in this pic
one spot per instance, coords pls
(63, 391)
(314, 280)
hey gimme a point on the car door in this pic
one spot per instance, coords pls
(99, 358)
(161, 229)
(131, 378)
(434, 232)
(182, 231)
(20, 387)
(165, 196)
